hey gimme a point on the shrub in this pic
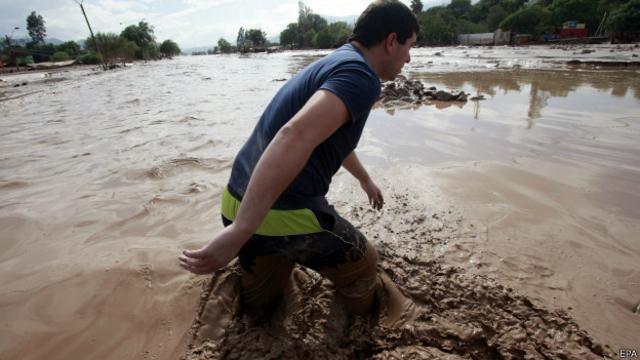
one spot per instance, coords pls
(24, 60)
(60, 56)
(89, 59)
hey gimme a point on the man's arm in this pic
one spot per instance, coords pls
(354, 166)
(280, 163)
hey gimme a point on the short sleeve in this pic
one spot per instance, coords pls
(356, 87)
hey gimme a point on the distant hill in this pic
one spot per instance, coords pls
(196, 49)
(25, 41)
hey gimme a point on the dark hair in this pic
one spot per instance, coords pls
(381, 18)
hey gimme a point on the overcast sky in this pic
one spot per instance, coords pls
(190, 23)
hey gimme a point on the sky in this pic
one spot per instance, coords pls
(190, 23)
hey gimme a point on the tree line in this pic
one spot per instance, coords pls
(440, 25)
(135, 42)
(310, 31)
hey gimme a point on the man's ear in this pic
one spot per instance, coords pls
(389, 42)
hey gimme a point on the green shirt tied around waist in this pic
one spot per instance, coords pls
(276, 222)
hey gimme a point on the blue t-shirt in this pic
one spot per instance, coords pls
(346, 73)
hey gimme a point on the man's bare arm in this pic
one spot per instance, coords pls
(280, 163)
(354, 166)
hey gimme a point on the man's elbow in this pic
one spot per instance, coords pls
(295, 138)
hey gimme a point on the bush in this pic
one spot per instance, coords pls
(533, 20)
(89, 59)
(625, 22)
(24, 60)
(60, 56)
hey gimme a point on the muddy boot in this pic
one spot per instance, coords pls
(395, 309)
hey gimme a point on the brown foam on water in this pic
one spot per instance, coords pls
(455, 315)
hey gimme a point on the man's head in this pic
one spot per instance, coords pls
(390, 26)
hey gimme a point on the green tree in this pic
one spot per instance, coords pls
(309, 25)
(309, 38)
(224, 46)
(625, 21)
(325, 39)
(495, 17)
(60, 56)
(289, 36)
(70, 47)
(142, 35)
(256, 36)
(529, 20)
(416, 6)
(340, 31)
(36, 28)
(114, 48)
(464, 26)
(169, 49)
(151, 52)
(586, 11)
(459, 7)
(437, 27)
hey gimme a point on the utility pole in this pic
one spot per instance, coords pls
(104, 66)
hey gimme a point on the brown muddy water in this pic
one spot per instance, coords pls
(512, 222)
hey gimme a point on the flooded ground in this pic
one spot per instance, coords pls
(105, 177)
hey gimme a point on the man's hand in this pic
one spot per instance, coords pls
(373, 192)
(218, 252)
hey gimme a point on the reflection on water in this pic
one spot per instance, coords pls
(542, 85)
(524, 113)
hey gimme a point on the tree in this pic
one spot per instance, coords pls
(459, 7)
(142, 35)
(35, 26)
(151, 52)
(625, 21)
(495, 17)
(340, 31)
(169, 48)
(256, 36)
(70, 47)
(309, 25)
(580, 10)
(113, 47)
(224, 46)
(416, 6)
(464, 26)
(528, 20)
(325, 39)
(437, 26)
(309, 38)
(289, 36)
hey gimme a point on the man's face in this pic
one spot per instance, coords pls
(400, 56)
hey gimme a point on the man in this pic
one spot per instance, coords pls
(274, 207)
